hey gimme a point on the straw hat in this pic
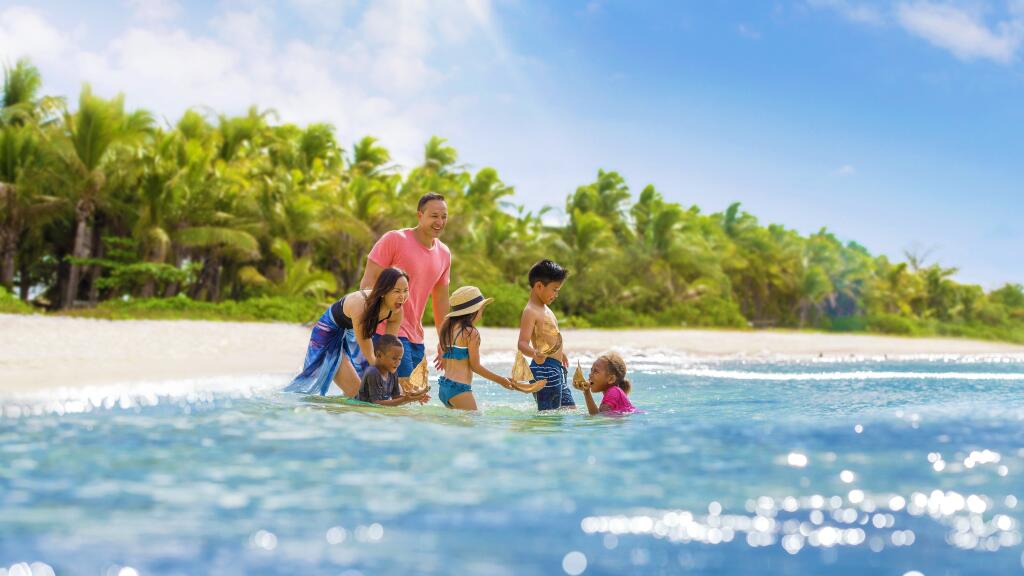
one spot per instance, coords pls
(466, 300)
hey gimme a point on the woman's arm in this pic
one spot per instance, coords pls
(355, 310)
(477, 367)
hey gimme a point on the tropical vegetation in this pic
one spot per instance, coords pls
(105, 211)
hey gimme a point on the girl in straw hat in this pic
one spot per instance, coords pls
(460, 345)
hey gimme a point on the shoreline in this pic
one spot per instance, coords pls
(42, 352)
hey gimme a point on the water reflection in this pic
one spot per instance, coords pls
(807, 467)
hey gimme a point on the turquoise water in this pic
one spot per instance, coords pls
(881, 467)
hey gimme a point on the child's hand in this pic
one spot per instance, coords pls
(507, 383)
(423, 398)
(565, 360)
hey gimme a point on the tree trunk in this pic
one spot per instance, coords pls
(8, 251)
(83, 238)
(26, 281)
(94, 270)
(8, 238)
(172, 287)
(214, 291)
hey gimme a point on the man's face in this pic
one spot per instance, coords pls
(433, 217)
(390, 359)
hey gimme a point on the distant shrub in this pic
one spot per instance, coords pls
(704, 311)
(847, 324)
(263, 309)
(507, 308)
(619, 317)
(891, 324)
(574, 322)
(11, 304)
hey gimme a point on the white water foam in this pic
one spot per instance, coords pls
(125, 395)
(854, 375)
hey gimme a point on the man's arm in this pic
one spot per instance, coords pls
(439, 302)
(439, 298)
(370, 274)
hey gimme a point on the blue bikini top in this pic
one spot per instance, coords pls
(456, 352)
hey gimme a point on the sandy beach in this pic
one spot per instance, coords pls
(43, 351)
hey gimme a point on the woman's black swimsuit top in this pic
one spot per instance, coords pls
(342, 320)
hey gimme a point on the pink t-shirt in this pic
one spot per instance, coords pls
(426, 267)
(617, 401)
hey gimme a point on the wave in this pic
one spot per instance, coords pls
(853, 375)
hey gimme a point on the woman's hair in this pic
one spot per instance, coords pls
(448, 329)
(617, 368)
(385, 284)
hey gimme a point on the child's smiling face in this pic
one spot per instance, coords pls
(389, 358)
(600, 378)
(548, 292)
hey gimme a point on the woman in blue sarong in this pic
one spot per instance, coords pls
(332, 353)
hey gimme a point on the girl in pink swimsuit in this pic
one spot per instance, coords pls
(608, 375)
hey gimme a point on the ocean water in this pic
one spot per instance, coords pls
(862, 466)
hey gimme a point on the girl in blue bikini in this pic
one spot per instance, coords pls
(460, 345)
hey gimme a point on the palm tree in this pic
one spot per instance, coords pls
(299, 277)
(438, 156)
(90, 135)
(20, 103)
(21, 111)
(369, 157)
(21, 160)
(607, 197)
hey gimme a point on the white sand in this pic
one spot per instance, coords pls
(42, 351)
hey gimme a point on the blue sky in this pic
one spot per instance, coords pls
(895, 124)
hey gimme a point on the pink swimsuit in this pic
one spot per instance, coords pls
(616, 400)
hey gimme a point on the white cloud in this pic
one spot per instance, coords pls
(24, 32)
(384, 75)
(748, 31)
(154, 10)
(846, 170)
(853, 11)
(962, 32)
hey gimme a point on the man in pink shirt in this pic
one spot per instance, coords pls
(421, 254)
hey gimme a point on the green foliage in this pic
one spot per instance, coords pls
(240, 217)
(507, 308)
(124, 274)
(10, 304)
(262, 309)
(892, 324)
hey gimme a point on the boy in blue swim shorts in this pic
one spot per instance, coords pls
(540, 339)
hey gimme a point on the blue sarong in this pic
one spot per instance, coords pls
(323, 356)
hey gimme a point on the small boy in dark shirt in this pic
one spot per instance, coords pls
(380, 383)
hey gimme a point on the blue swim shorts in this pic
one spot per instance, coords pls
(556, 393)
